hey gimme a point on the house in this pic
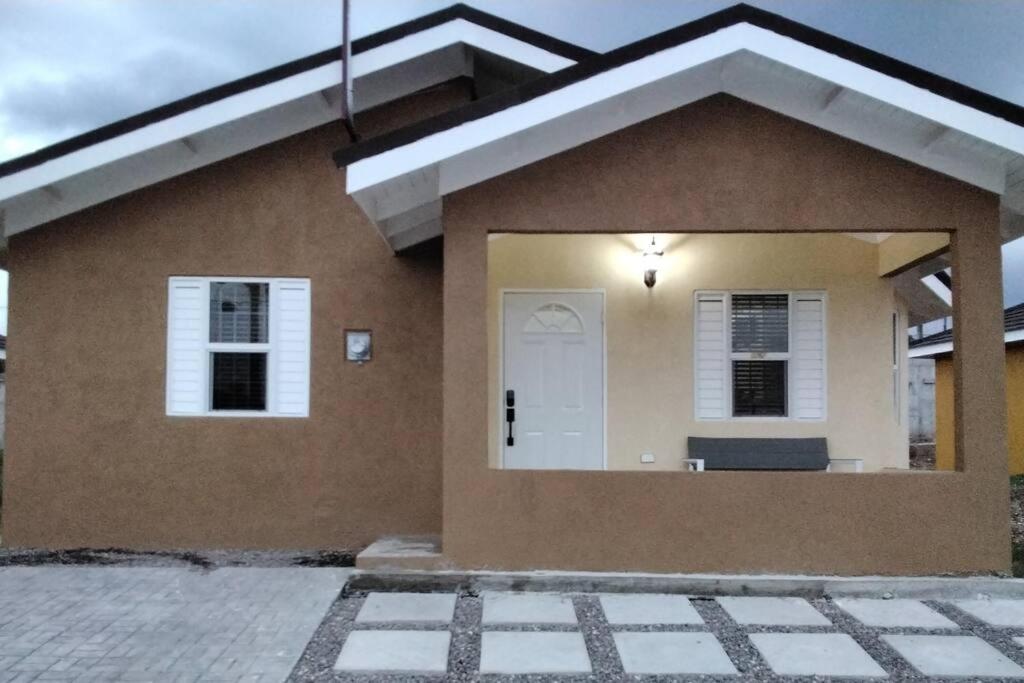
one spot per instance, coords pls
(939, 346)
(501, 315)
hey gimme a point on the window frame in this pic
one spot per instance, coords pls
(792, 296)
(270, 347)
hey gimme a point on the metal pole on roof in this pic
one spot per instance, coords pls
(346, 72)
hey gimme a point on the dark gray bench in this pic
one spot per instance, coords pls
(759, 454)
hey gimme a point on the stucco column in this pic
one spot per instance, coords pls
(978, 361)
(465, 364)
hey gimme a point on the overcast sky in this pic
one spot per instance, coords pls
(67, 66)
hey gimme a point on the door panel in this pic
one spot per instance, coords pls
(554, 362)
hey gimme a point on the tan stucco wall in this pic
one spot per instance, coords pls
(723, 166)
(650, 334)
(92, 459)
(945, 420)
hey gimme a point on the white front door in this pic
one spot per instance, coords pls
(553, 381)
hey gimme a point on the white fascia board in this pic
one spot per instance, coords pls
(516, 119)
(947, 347)
(169, 130)
(450, 33)
(278, 92)
(450, 143)
(891, 90)
(940, 290)
(930, 350)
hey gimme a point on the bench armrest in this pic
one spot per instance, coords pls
(693, 464)
(856, 463)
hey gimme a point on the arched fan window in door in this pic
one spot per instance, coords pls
(554, 319)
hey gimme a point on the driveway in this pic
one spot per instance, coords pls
(159, 623)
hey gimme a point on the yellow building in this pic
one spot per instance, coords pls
(940, 347)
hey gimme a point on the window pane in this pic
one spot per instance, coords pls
(759, 388)
(760, 323)
(238, 312)
(239, 381)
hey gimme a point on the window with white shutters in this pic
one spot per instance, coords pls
(760, 355)
(238, 346)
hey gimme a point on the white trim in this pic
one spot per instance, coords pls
(270, 348)
(576, 97)
(501, 360)
(947, 347)
(236, 111)
(726, 295)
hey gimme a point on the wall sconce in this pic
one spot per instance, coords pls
(651, 260)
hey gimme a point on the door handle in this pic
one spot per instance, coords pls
(510, 415)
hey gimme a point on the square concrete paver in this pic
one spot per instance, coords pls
(773, 612)
(672, 653)
(894, 613)
(649, 609)
(406, 607)
(1009, 613)
(405, 652)
(528, 608)
(517, 652)
(953, 656)
(815, 654)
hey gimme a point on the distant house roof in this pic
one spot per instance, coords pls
(942, 342)
(3, 342)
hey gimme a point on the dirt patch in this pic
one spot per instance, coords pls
(198, 559)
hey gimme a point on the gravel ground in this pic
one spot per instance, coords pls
(1017, 509)
(199, 559)
(464, 656)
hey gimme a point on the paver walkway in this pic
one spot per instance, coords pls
(589, 637)
(159, 624)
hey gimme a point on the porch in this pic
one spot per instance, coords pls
(661, 352)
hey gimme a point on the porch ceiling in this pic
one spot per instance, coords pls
(743, 60)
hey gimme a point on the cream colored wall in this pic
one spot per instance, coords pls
(650, 334)
(901, 249)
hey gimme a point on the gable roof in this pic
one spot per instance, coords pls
(801, 72)
(942, 342)
(297, 66)
(731, 16)
(303, 91)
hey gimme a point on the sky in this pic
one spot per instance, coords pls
(67, 66)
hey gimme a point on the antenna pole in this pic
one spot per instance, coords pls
(346, 72)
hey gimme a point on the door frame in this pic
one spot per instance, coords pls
(604, 360)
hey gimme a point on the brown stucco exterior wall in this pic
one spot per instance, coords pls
(724, 166)
(93, 460)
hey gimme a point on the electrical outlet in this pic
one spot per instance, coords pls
(647, 457)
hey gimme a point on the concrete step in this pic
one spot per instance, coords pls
(396, 553)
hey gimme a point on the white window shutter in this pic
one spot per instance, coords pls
(290, 319)
(187, 312)
(809, 393)
(711, 357)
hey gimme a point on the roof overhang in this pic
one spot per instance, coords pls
(259, 109)
(932, 350)
(399, 174)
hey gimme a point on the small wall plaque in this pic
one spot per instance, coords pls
(358, 345)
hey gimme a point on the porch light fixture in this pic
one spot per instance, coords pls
(651, 260)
